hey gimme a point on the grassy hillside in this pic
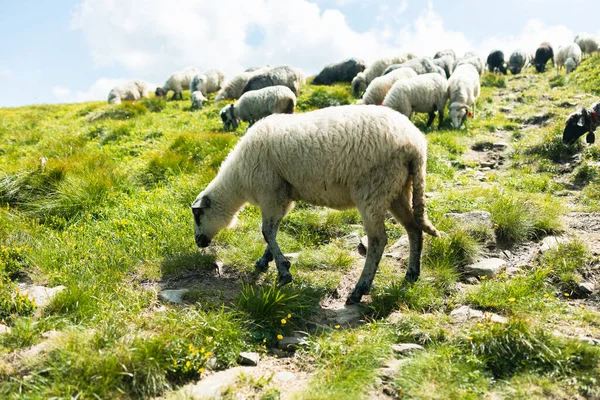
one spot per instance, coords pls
(108, 217)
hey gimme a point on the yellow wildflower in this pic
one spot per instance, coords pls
(566, 294)
(202, 350)
(512, 299)
(208, 354)
(289, 316)
(188, 364)
(283, 321)
(546, 295)
(279, 336)
(201, 370)
(264, 340)
(469, 337)
(337, 327)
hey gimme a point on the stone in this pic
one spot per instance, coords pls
(500, 146)
(40, 295)
(249, 358)
(472, 280)
(390, 369)
(552, 242)
(466, 313)
(174, 296)
(352, 240)
(292, 256)
(477, 217)
(512, 271)
(399, 250)
(4, 329)
(50, 334)
(489, 267)
(348, 315)
(585, 289)
(212, 386)
(406, 348)
(291, 343)
(395, 317)
(589, 340)
(284, 376)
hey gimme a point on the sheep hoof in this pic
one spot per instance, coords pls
(284, 280)
(411, 277)
(353, 299)
(261, 265)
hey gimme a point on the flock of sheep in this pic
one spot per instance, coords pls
(362, 156)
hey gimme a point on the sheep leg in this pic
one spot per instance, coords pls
(402, 211)
(270, 226)
(375, 229)
(431, 118)
(440, 118)
(262, 265)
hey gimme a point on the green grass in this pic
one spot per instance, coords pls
(108, 217)
(493, 80)
(586, 77)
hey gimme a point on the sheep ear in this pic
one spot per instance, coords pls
(203, 202)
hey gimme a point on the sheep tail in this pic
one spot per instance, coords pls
(419, 210)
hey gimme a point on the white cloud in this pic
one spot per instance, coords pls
(533, 34)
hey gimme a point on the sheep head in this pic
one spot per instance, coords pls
(578, 124)
(210, 217)
(160, 92)
(228, 117)
(458, 113)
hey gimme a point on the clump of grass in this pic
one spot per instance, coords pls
(322, 97)
(23, 333)
(454, 250)
(422, 296)
(13, 304)
(565, 264)
(12, 260)
(552, 147)
(493, 80)
(121, 111)
(154, 104)
(586, 173)
(310, 228)
(557, 81)
(275, 310)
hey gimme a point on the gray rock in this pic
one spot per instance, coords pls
(500, 146)
(292, 256)
(249, 358)
(212, 386)
(292, 343)
(390, 369)
(406, 348)
(395, 317)
(585, 289)
(284, 376)
(489, 267)
(552, 242)
(4, 329)
(40, 295)
(174, 296)
(352, 240)
(466, 313)
(348, 315)
(512, 271)
(477, 217)
(589, 340)
(472, 280)
(400, 249)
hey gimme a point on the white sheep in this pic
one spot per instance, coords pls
(380, 86)
(207, 82)
(463, 91)
(587, 43)
(368, 157)
(128, 91)
(284, 75)
(571, 52)
(258, 104)
(233, 88)
(425, 93)
(178, 82)
(475, 61)
(198, 100)
(363, 79)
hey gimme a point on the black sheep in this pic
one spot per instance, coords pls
(542, 55)
(581, 122)
(495, 62)
(344, 71)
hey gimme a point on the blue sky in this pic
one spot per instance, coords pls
(76, 50)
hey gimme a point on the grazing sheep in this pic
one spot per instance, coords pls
(475, 61)
(463, 90)
(208, 82)
(443, 53)
(543, 53)
(425, 93)
(233, 89)
(128, 91)
(421, 65)
(446, 63)
(343, 71)
(367, 157)
(178, 82)
(197, 100)
(587, 43)
(284, 75)
(517, 61)
(496, 62)
(363, 79)
(581, 122)
(257, 104)
(252, 69)
(380, 86)
(570, 53)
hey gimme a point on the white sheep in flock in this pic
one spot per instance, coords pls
(380, 86)
(233, 88)
(198, 100)
(587, 43)
(463, 90)
(128, 91)
(178, 82)
(568, 56)
(425, 93)
(368, 157)
(258, 104)
(207, 82)
(363, 79)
